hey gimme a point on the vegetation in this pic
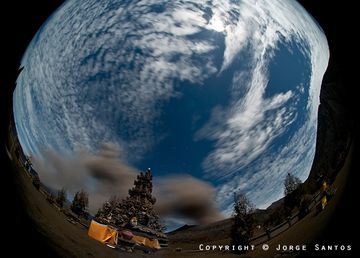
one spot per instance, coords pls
(293, 191)
(139, 204)
(80, 203)
(61, 197)
(106, 212)
(242, 229)
(291, 183)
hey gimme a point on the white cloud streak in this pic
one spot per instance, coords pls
(78, 85)
(245, 131)
(82, 76)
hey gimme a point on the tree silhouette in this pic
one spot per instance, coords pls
(291, 183)
(242, 229)
(139, 204)
(293, 193)
(80, 203)
(61, 197)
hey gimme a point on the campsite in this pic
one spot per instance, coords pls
(70, 236)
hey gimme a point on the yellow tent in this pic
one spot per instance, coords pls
(323, 202)
(103, 233)
(151, 243)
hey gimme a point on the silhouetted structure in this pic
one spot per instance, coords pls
(291, 183)
(80, 204)
(61, 197)
(293, 191)
(138, 204)
(242, 229)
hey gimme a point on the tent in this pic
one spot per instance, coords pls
(151, 243)
(323, 202)
(140, 240)
(103, 233)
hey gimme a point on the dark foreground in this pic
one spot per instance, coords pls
(40, 226)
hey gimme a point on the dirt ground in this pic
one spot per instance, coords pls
(305, 232)
(69, 240)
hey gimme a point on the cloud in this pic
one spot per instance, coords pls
(263, 182)
(95, 75)
(264, 23)
(176, 200)
(104, 174)
(116, 69)
(244, 131)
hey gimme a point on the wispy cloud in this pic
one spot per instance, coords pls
(98, 74)
(263, 181)
(109, 68)
(244, 131)
(247, 128)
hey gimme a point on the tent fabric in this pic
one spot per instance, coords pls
(103, 233)
(324, 202)
(151, 243)
(127, 234)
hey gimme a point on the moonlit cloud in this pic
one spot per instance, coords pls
(245, 130)
(248, 127)
(96, 74)
(261, 183)
(138, 90)
(216, 24)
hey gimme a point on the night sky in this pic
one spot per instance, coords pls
(27, 18)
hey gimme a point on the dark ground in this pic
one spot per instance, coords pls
(312, 229)
(19, 22)
(59, 236)
(21, 19)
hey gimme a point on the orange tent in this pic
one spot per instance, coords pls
(151, 243)
(103, 233)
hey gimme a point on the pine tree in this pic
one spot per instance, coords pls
(140, 204)
(80, 203)
(106, 213)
